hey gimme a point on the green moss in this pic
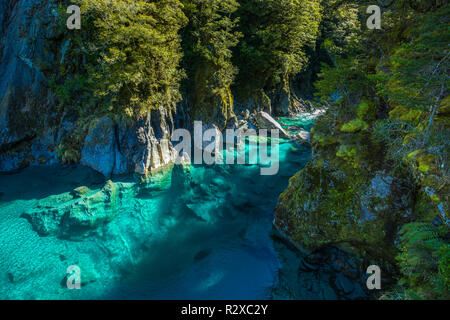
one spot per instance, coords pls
(409, 138)
(346, 151)
(405, 114)
(444, 107)
(354, 126)
(324, 140)
(426, 162)
(414, 154)
(435, 198)
(424, 168)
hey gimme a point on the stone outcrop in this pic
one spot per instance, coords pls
(123, 146)
(303, 136)
(99, 151)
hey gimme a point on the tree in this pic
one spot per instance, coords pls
(276, 34)
(207, 42)
(419, 74)
(127, 55)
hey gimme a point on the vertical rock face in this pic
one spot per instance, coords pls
(153, 149)
(347, 196)
(26, 105)
(32, 127)
(99, 151)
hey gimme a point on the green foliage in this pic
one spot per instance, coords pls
(126, 56)
(396, 80)
(425, 260)
(419, 69)
(209, 37)
(276, 35)
(207, 42)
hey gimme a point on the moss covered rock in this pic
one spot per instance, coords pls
(72, 217)
(345, 196)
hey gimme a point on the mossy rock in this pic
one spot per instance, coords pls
(324, 140)
(413, 155)
(354, 126)
(409, 138)
(426, 163)
(346, 151)
(328, 205)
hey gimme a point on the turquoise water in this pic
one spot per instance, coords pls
(199, 232)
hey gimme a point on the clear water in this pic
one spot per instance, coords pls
(197, 234)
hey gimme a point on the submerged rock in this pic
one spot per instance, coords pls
(66, 216)
(81, 191)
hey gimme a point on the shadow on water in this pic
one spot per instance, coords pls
(40, 182)
(226, 254)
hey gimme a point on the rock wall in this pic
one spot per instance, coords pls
(348, 196)
(34, 131)
(27, 113)
(356, 194)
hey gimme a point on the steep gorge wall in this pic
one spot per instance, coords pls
(362, 196)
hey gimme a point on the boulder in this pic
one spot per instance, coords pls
(265, 121)
(282, 102)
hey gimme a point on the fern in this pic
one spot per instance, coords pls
(425, 260)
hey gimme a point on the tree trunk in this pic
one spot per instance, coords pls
(430, 123)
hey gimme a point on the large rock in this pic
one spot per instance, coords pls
(34, 130)
(153, 149)
(282, 102)
(100, 147)
(344, 197)
(123, 146)
(303, 136)
(265, 121)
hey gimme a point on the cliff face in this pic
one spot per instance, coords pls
(34, 130)
(347, 196)
(27, 111)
